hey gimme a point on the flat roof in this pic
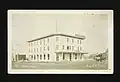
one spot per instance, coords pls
(81, 37)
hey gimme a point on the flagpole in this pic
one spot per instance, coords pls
(56, 26)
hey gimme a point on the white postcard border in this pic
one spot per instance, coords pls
(28, 71)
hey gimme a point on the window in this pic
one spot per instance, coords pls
(63, 56)
(72, 40)
(37, 43)
(44, 48)
(37, 56)
(48, 56)
(78, 41)
(29, 44)
(44, 41)
(57, 38)
(67, 39)
(29, 50)
(34, 57)
(40, 57)
(40, 49)
(31, 56)
(48, 40)
(75, 56)
(57, 47)
(67, 47)
(63, 47)
(48, 48)
(78, 48)
(44, 56)
(37, 49)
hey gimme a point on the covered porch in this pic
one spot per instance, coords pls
(69, 56)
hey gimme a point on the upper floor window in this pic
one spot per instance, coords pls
(48, 48)
(72, 40)
(37, 49)
(67, 39)
(72, 47)
(67, 47)
(78, 41)
(44, 41)
(57, 38)
(63, 47)
(48, 40)
(29, 44)
(44, 48)
(29, 50)
(57, 47)
(31, 56)
(78, 48)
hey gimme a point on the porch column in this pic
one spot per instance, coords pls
(62, 56)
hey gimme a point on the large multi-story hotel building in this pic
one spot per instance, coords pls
(56, 47)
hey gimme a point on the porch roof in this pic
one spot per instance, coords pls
(73, 52)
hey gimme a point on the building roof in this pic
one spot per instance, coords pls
(81, 37)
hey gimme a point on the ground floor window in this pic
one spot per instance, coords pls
(57, 57)
(40, 57)
(63, 56)
(31, 56)
(44, 56)
(37, 56)
(48, 56)
(75, 56)
(34, 57)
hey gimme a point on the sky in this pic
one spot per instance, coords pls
(28, 26)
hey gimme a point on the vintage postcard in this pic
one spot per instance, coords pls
(60, 42)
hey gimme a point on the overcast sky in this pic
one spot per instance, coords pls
(27, 26)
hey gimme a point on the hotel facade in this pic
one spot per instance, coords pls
(56, 47)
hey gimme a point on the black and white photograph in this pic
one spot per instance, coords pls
(60, 42)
